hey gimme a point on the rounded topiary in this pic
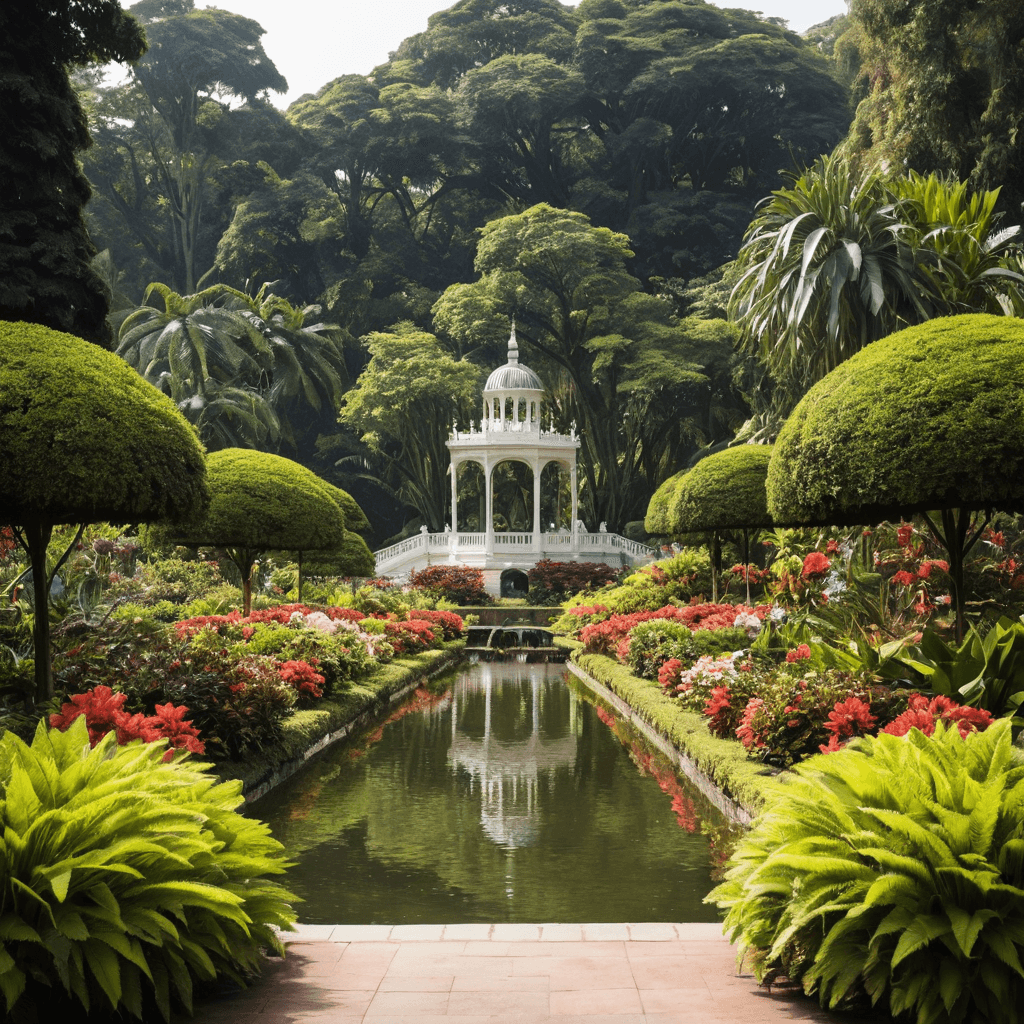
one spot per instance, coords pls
(261, 502)
(724, 491)
(656, 520)
(930, 419)
(353, 558)
(84, 439)
(355, 517)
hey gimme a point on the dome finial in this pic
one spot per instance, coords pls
(513, 346)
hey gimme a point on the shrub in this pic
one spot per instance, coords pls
(653, 643)
(449, 622)
(553, 581)
(104, 712)
(127, 878)
(457, 583)
(893, 869)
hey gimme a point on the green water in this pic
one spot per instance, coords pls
(502, 795)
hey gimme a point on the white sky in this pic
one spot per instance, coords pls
(315, 41)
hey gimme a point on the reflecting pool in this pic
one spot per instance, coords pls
(502, 793)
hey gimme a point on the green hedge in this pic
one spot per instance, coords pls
(85, 439)
(927, 418)
(724, 491)
(724, 762)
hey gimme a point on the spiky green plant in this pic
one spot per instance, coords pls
(125, 878)
(893, 868)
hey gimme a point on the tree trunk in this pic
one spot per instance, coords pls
(37, 537)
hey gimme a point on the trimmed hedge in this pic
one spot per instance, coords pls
(928, 418)
(725, 491)
(656, 520)
(265, 502)
(724, 762)
(86, 439)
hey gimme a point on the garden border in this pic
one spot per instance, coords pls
(413, 672)
(719, 768)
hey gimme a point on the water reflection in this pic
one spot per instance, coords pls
(505, 766)
(501, 797)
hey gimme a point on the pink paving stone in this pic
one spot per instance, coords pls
(594, 1001)
(505, 1004)
(395, 1003)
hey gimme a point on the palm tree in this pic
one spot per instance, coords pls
(826, 268)
(832, 263)
(244, 370)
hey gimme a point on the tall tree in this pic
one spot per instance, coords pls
(171, 129)
(403, 406)
(941, 88)
(45, 250)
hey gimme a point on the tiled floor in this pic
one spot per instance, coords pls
(511, 974)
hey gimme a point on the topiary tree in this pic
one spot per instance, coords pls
(928, 421)
(84, 439)
(261, 502)
(656, 520)
(724, 491)
(353, 558)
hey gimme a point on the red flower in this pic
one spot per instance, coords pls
(816, 565)
(745, 730)
(802, 653)
(904, 535)
(834, 744)
(904, 578)
(848, 717)
(832, 547)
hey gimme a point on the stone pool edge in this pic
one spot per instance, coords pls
(375, 703)
(655, 931)
(735, 785)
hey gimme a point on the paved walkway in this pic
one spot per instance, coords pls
(511, 974)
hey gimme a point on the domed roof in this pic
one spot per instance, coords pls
(512, 376)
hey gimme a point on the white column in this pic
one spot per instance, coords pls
(537, 546)
(453, 540)
(575, 506)
(489, 525)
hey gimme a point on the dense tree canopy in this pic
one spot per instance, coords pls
(166, 137)
(45, 276)
(940, 89)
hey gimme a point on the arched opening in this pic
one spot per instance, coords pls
(472, 495)
(514, 583)
(512, 497)
(555, 498)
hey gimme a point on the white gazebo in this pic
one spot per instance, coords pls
(510, 430)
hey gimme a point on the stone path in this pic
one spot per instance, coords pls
(511, 974)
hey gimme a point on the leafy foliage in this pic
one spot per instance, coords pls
(457, 583)
(553, 581)
(893, 869)
(127, 879)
